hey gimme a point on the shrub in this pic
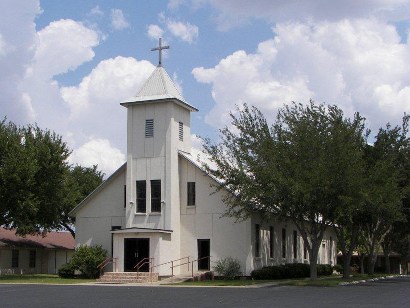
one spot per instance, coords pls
(268, 272)
(229, 268)
(296, 270)
(338, 268)
(324, 270)
(87, 258)
(66, 271)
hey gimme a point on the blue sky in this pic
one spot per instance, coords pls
(66, 65)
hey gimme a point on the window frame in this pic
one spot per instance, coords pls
(191, 193)
(283, 243)
(32, 259)
(15, 255)
(271, 242)
(141, 196)
(155, 196)
(149, 128)
(181, 131)
(257, 241)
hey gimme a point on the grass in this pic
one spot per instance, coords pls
(326, 281)
(41, 279)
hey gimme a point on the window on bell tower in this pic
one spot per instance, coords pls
(149, 128)
(181, 131)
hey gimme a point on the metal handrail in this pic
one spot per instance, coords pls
(107, 261)
(172, 264)
(192, 265)
(142, 262)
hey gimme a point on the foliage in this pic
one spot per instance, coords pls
(38, 186)
(324, 270)
(228, 267)
(87, 258)
(338, 268)
(305, 167)
(79, 183)
(291, 270)
(66, 271)
(384, 194)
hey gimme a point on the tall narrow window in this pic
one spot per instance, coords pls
(14, 258)
(32, 259)
(330, 250)
(191, 193)
(155, 195)
(283, 243)
(141, 197)
(271, 242)
(149, 128)
(257, 240)
(295, 244)
(125, 196)
(181, 131)
(305, 251)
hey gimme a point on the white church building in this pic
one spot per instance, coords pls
(161, 206)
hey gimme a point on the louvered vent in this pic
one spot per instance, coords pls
(181, 131)
(149, 128)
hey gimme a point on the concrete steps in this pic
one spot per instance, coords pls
(128, 277)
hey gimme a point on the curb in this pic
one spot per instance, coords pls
(347, 283)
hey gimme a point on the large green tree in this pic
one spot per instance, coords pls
(79, 183)
(386, 187)
(301, 168)
(37, 186)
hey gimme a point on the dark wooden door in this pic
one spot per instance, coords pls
(204, 250)
(135, 249)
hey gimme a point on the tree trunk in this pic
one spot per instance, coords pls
(386, 253)
(313, 261)
(361, 258)
(346, 265)
(371, 263)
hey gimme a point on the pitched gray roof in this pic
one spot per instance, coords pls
(159, 86)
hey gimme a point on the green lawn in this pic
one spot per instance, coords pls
(41, 278)
(327, 281)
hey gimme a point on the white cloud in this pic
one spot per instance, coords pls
(98, 152)
(359, 65)
(184, 31)
(118, 21)
(155, 31)
(234, 12)
(94, 103)
(63, 45)
(110, 81)
(96, 11)
(18, 39)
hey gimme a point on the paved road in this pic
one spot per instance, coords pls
(386, 293)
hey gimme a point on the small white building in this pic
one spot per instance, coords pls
(160, 204)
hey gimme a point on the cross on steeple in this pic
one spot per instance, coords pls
(160, 48)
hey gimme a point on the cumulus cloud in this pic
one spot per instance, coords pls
(94, 103)
(234, 12)
(184, 31)
(359, 65)
(64, 45)
(17, 46)
(98, 152)
(155, 31)
(118, 20)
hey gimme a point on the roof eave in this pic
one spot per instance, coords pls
(157, 99)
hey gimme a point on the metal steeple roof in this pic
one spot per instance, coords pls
(159, 86)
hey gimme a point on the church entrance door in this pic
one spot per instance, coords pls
(135, 249)
(204, 250)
